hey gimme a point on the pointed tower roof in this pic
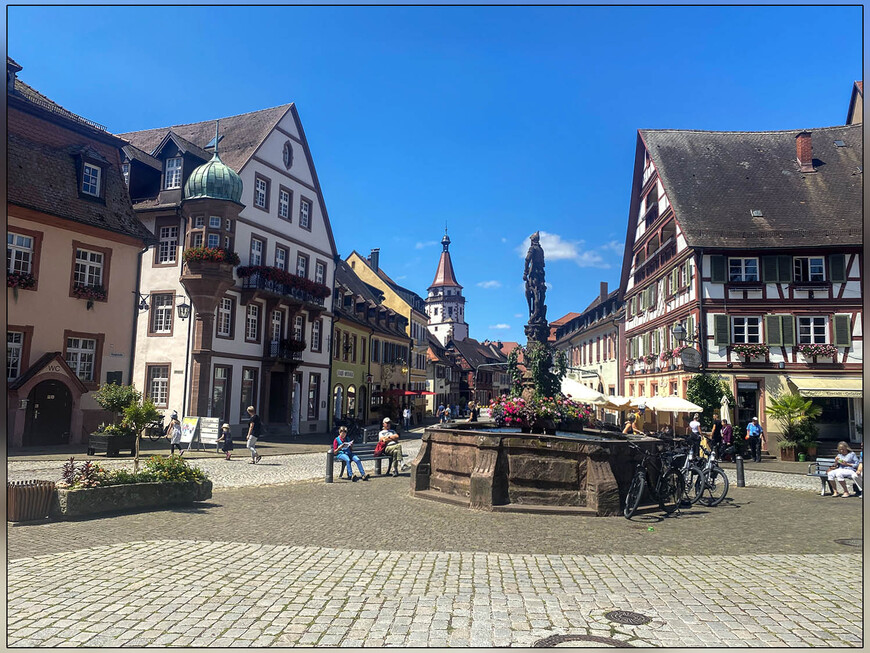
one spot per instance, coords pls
(444, 274)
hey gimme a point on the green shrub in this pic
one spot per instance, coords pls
(173, 468)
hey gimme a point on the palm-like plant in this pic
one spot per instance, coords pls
(790, 411)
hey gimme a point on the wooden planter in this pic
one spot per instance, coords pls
(111, 444)
(28, 500)
(87, 502)
(788, 453)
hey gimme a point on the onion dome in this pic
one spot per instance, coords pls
(214, 180)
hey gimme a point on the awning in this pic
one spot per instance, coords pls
(827, 386)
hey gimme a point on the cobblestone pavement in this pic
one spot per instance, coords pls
(366, 564)
(234, 473)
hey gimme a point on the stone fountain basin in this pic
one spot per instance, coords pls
(491, 469)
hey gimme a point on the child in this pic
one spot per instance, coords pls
(227, 438)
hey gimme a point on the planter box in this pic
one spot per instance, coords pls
(86, 502)
(111, 444)
(788, 454)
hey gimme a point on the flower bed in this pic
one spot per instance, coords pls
(751, 350)
(91, 293)
(210, 254)
(88, 489)
(817, 350)
(277, 275)
(23, 280)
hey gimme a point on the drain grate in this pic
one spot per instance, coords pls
(626, 617)
(851, 542)
(556, 640)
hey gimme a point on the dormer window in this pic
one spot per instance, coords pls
(173, 173)
(125, 169)
(91, 176)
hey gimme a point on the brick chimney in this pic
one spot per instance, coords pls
(804, 142)
(373, 258)
(603, 291)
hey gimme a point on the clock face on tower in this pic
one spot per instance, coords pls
(288, 155)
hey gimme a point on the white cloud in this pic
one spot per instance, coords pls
(428, 243)
(400, 277)
(558, 249)
(518, 314)
(614, 246)
(489, 284)
(500, 326)
(504, 240)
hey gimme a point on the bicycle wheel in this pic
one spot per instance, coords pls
(635, 492)
(670, 490)
(715, 487)
(693, 484)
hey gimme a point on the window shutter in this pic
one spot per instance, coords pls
(720, 330)
(675, 280)
(843, 330)
(773, 330)
(769, 272)
(787, 322)
(837, 268)
(717, 269)
(654, 294)
(641, 301)
(784, 268)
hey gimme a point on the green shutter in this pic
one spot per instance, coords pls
(787, 322)
(837, 268)
(843, 330)
(675, 280)
(769, 272)
(720, 330)
(784, 265)
(717, 269)
(773, 330)
(689, 273)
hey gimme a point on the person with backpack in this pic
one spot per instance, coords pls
(173, 432)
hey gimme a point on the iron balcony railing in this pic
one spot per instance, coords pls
(256, 281)
(283, 350)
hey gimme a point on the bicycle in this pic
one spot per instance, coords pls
(155, 429)
(713, 484)
(691, 473)
(668, 489)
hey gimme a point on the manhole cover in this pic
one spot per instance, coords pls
(848, 542)
(626, 617)
(581, 641)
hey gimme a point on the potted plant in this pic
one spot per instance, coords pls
(807, 436)
(790, 411)
(130, 415)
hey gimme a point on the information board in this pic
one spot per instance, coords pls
(188, 428)
(691, 359)
(209, 429)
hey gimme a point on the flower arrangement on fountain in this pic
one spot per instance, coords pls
(516, 411)
(752, 350)
(91, 293)
(817, 350)
(23, 280)
(211, 254)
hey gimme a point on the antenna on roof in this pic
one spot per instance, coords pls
(216, 138)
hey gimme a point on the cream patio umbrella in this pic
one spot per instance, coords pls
(672, 405)
(582, 393)
(617, 402)
(725, 410)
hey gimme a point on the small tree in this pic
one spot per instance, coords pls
(137, 416)
(706, 391)
(791, 411)
(115, 398)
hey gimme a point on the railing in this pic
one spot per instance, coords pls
(255, 281)
(285, 351)
(652, 214)
(661, 256)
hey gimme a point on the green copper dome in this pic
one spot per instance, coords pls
(214, 180)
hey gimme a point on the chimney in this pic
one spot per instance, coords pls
(373, 258)
(603, 291)
(804, 142)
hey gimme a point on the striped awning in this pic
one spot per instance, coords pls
(827, 386)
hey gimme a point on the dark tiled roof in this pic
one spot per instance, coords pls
(345, 276)
(715, 179)
(475, 353)
(241, 135)
(186, 146)
(44, 178)
(32, 95)
(135, 154)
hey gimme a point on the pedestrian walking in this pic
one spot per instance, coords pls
(754, 434)
(342, 448)
(406, 417)
(226, 438)
(255, 427)
(727, 436)
(392, 448)
(695, 435)
(173, 432)
(440, 414)
(716, 435)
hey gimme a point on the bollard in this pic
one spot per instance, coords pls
(741, 481)
(330, 459)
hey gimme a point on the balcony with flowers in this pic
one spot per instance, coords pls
(275, 281)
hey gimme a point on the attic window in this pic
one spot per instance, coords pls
(840, 143)
(757, 213)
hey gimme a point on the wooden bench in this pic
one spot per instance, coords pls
(820, 467)
(364, 451)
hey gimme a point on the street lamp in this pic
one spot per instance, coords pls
(183, 308)
(682, 335)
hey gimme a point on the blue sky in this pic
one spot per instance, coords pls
(497, 121)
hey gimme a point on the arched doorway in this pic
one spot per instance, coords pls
(351, 402)
(49, 413)
(337, 403)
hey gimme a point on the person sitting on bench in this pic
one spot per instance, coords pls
(845, 467)
(342, 447)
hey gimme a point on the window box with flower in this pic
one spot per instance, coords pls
(20, 281)
(198, 255)
(90, 293)
(649, 359)
(750, 350)
(816, 351)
